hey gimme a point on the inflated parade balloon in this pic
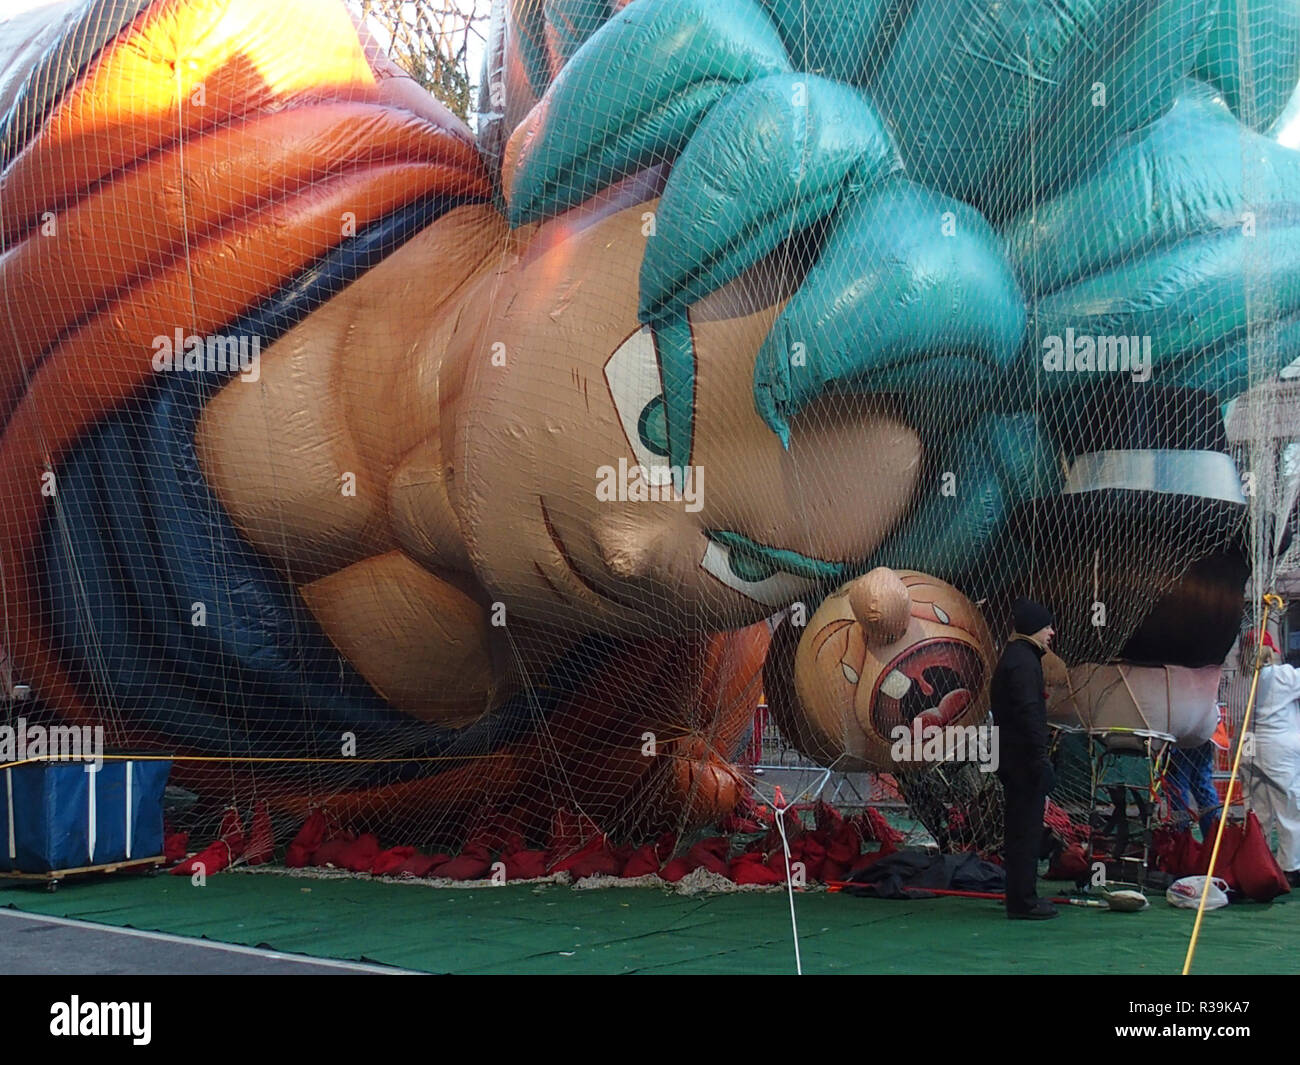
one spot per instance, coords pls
(458, 479)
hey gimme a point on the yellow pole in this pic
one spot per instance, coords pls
(1270, 600)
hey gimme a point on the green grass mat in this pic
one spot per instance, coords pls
(554, 929)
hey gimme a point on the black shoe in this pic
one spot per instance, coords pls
(1293, 878)
(1043, 911)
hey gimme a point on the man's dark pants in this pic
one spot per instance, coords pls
(1025, 791)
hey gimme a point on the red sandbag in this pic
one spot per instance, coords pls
(421, 864)
(643, 861)
(359, 855)
(833, 872)
(1232, 837)
(829, 819)
(1254, 867)
(874, 826)
(218, 855)
(675, 870)
(564, 863)
(1164, 841)
(331, 851)
(1056, 819)
(1187, 854)
(1070, 864)
(1182, 855)
(232, 832)
(213, 858)
(499, 841)
(473, 863)
(844, 845)
(598, 860)
(772, 841)
(525, 865)
(749, 869)
(391, 860)
(261, 840)
(570, 833)
(812, 853)
(176, 846)
(710, 854)
(309, 837)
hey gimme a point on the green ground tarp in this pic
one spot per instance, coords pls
(555, 929)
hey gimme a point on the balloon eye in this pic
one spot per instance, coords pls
(632, 374)
(940, 614)
(753, 576)
(652, 427)
(750, 567)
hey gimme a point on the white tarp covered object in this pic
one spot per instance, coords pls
(1175, 700)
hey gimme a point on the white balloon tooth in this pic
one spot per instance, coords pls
(895, 685)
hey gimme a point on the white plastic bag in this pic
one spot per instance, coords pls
(1186, 893)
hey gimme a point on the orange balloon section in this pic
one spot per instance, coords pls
(184, 192)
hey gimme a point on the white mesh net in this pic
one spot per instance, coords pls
(478, 487)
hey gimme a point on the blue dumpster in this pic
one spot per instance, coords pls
(65, 816)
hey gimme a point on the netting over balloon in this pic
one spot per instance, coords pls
(477, 487)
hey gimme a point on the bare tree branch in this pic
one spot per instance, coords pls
(430, 40)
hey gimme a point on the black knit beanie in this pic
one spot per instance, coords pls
(1029, 616)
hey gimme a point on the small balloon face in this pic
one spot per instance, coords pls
(856, 690)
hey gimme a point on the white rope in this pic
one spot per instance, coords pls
(789, 887)
(781, 809)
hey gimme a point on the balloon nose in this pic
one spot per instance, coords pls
(880, 602)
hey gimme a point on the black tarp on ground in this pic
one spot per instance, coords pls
(907, 875)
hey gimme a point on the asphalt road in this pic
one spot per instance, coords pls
(36, 945)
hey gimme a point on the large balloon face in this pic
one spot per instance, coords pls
(558, 429)
(889, 651)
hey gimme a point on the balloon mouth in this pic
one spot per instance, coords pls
(930, 683)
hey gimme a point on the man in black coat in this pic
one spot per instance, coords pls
(1019, 705)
